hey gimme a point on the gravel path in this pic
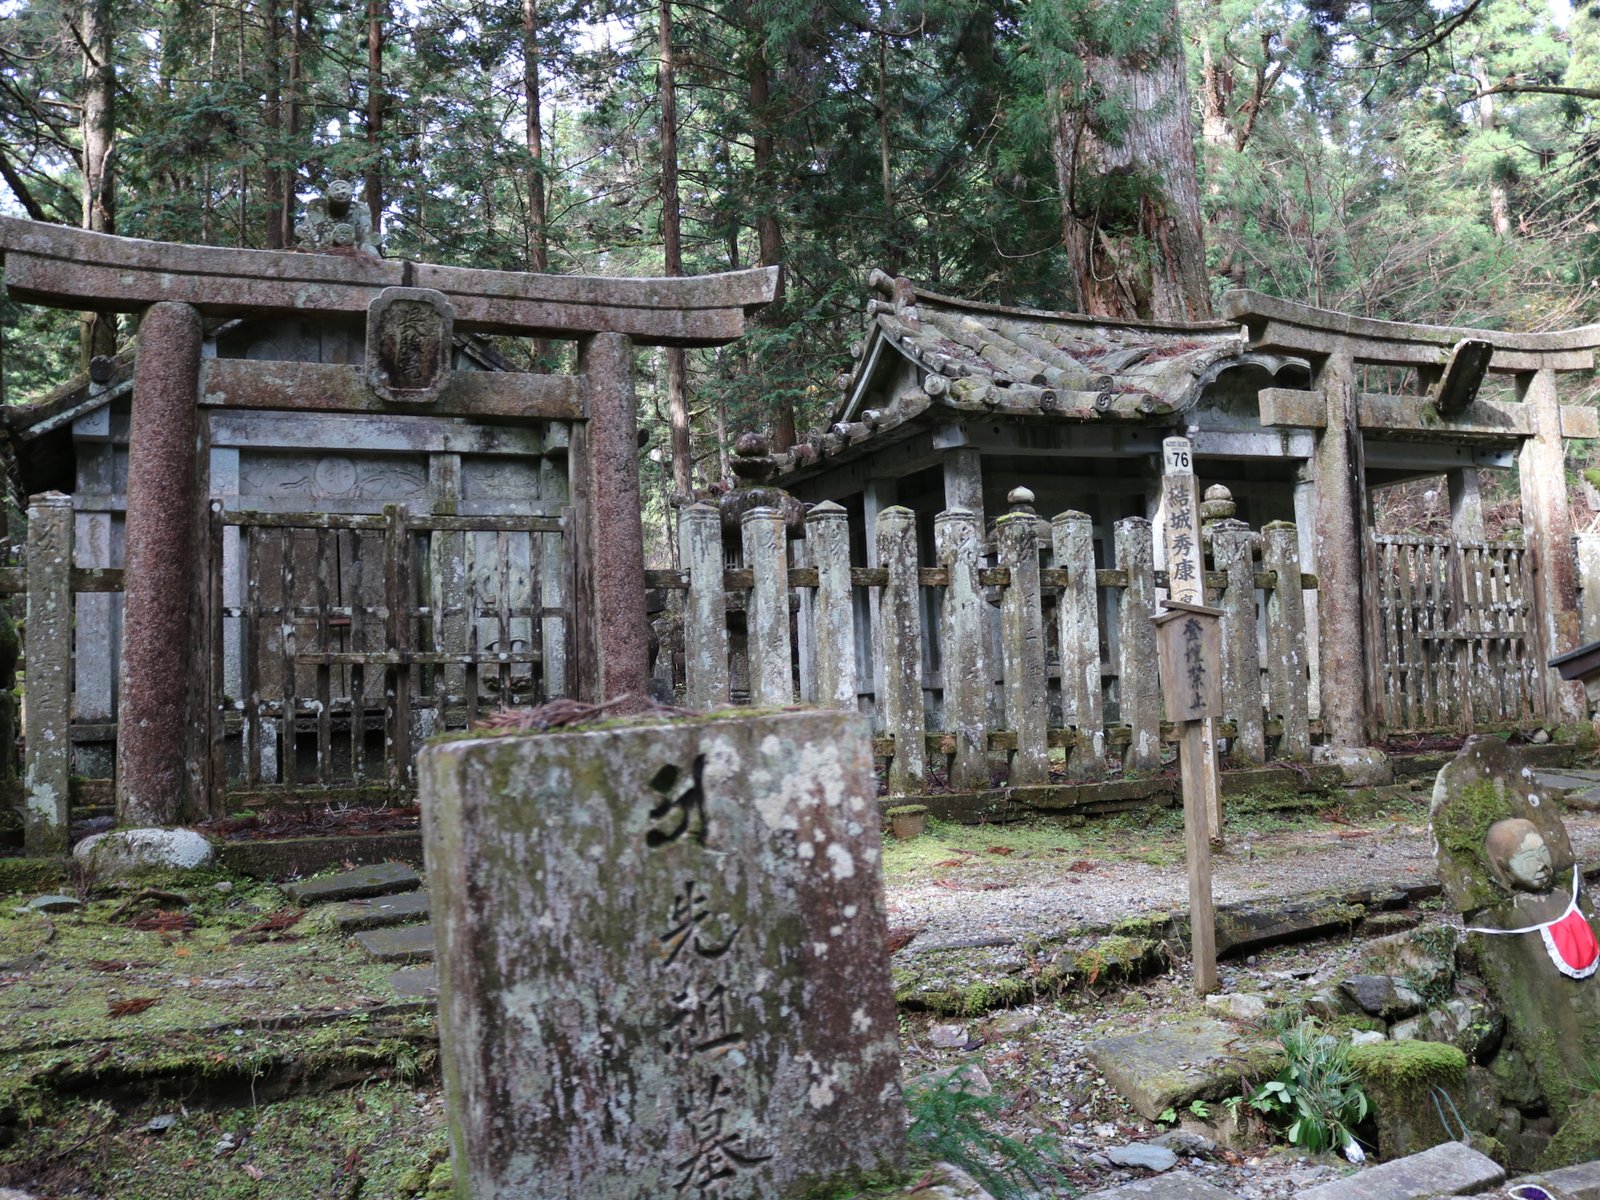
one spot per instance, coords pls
(1095, 879)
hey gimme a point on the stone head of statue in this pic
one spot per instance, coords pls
(1518, 855)
(340, 192)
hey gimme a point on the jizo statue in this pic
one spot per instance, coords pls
(1507, 866)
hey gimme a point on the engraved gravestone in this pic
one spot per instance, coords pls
(661, 959)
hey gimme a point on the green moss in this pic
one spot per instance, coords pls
(1581, 735)
(1460, 828)
(365, 1140)
(851, 1186)
(1408, 1067)
(1145, 925)
(905, 810)
(1400, 1079)
(1578, 1139)
(33, 874)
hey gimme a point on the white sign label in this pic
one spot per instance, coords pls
(1181, 520)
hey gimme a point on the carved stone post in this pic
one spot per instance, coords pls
(828, 535)
(160, 657)
(1547, 530)
(705, 615)
(48, 771)
(614, 639)
(963, 636)
(900, 701)
(1342, 649)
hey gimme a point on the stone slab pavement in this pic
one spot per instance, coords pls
(1170, 1065)
(1451, 1169)
(1178, 1186)
(1581, 788)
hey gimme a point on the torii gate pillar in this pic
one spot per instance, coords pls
(1547, 532)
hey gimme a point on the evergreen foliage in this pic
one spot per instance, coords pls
(1393, 158)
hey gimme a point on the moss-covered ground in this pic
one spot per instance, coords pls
(280, 1061)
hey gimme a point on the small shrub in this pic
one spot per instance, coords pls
(1315, 1100)
(951, 1124)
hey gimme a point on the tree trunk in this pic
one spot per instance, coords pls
(769, 233)
(1499, 194)
(1130, 203)
(538, 246)
(272, 181)
(291, 150)
(672, 246)
(533, 133)
(377, 14)
(98, 331)
(1216, 84)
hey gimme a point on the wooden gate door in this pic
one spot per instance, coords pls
(1453, 646)
(339, 642)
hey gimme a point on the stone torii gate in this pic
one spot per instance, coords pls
(1450, 364)
(175, 286)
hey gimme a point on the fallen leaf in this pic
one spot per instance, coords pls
(164, 922)
(900, 937)
(253, 1171)
(1082, 865)
(271, 929)
(127, 1008)
(182, 952)
(1001, 850)
(951, 862)
(945, 883)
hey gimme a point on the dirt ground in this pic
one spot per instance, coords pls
(153, 1049)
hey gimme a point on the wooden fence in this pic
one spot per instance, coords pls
(1453, 635)
(1010, 656)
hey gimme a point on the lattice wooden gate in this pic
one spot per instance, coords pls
(340, 641)
(1451, 632)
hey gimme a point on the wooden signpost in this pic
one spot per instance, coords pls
(1189, 649)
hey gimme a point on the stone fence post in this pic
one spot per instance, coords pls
(1138, 689)
(901, 618)
(48, 715)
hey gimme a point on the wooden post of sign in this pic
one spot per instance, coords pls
(1185, 556)
(1189, 651)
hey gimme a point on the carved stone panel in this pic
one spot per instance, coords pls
(408, 344)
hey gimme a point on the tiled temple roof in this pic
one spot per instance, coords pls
(1016, 362)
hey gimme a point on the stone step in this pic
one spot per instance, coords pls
(380, 879)
(404, 943)
(1451, 1169)
(421, 982)
(379, 911)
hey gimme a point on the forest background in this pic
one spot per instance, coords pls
(1421, 160)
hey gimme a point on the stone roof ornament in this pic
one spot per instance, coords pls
(753, 466)
(337, 223)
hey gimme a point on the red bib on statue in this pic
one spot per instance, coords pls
(1569, 939)
(1571, 944)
